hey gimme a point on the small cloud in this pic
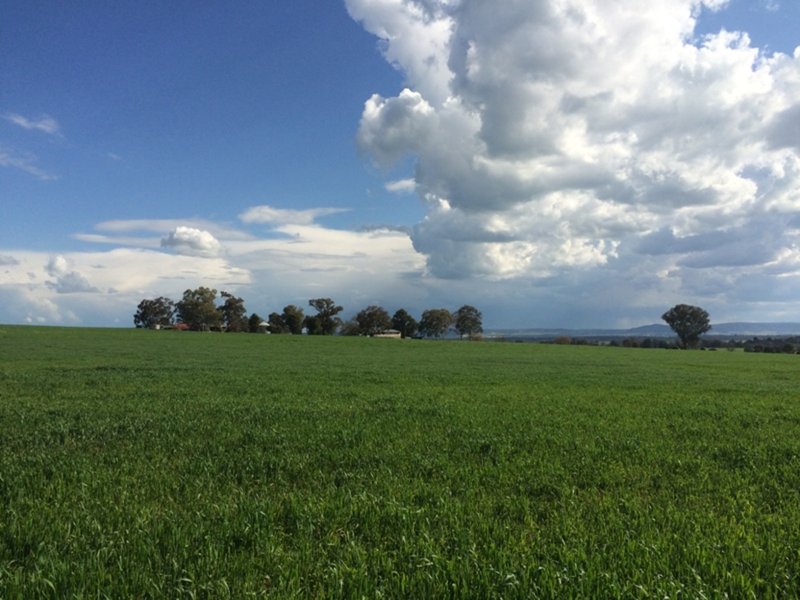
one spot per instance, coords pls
(193, 242)
(67, 281)
(137, 242)
(25, 163)
(385, 229)
(392, 128)
(284, 216)
(401, 186)
(44, 123)
(114, 156)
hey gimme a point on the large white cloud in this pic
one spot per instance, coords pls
(568, 138)
(102, 287)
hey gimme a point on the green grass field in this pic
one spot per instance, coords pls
(139, 464)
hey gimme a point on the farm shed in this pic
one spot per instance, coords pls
(389, 333)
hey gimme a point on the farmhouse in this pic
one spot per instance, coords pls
(389, 333)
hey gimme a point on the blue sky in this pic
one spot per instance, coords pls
(551, 169)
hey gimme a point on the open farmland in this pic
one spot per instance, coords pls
(161, 464)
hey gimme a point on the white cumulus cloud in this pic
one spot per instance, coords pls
(561, 139)
(291, 263)
(66, 279)
(192, 241)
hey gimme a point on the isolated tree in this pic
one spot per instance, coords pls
(198, 309)
(404, 323)
(373, 320)
(254, 323)
(468, 321)
(150, 313)
(688, 322)
(292, 318)
(435, 322)
(326, 316)
(233, 313)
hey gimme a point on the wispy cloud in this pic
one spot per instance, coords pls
(44, 123)
(25, 163)
(284, 216)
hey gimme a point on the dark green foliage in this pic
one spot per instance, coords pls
(350, 327)
(198, 309)
(233, 313)
(157, 312)
(405, 323)
(293, 319)
(325, 322)
(373, 320)
(277, 324)
(435, 322)
(688, 322)
(313, 325)
(254, 323)
(135, 465)
(468, 321)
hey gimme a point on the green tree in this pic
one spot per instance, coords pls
(233, 313)
(688, 322)
(313, 325)
(435, 322)
(151, 313)
(468, 321)
(198, 309)
(293, 318)
(404, 323)
(350, 328)
(277, 324)
(254, 323)
(328, 322)
(373, 320)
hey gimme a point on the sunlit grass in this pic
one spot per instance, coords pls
(160, 464)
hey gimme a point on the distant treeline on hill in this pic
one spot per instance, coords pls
(779, 345)
(789, 345)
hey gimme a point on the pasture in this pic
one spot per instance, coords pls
(141, 464)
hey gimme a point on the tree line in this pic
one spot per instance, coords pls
(199, 310)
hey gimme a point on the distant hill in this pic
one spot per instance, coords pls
(655, 330)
